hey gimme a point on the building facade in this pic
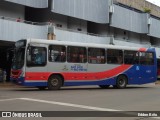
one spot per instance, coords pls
(141, 5)
(116, 22)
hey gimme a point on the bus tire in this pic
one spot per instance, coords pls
(55, 82)
(121, 82)
(104, 86)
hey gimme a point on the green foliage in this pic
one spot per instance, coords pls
(147, 10)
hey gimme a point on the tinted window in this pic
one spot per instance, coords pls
(76, 54)
(131, 57)
(57, 53)
(96, 55)
(18, 59)
(36, 56)
(146, 58)
(114, 56)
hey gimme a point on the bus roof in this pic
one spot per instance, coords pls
(95, 45)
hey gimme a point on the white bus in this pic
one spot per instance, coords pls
(53, 64)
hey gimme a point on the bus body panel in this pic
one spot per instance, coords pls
(92, 78)
(83, 78)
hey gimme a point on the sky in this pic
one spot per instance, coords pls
(156, 2)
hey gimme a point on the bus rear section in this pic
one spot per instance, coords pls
(53, 64)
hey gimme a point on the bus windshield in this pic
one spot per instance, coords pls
(18, 60)
(19, 53)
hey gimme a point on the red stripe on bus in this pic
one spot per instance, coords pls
(142, 50)
(79, 76)
(37, 75)
(96, 75)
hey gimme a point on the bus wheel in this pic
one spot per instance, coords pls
(104, 86)
(121, 82)
(54, 82)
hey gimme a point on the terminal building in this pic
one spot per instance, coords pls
(116, 22)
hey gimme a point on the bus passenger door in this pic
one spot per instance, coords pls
(147, 71)
(134, 75)
(132, 58)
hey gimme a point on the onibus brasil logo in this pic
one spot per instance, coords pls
(21, 114)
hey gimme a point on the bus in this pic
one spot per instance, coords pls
(52, 64)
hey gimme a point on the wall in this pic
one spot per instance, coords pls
(45, 16)
(13, 31)
(90, 10)
(141, 5)
(134, 37)
(155, 27)
(11, 10)
(103, 29)
(145, 39)
(66, 22)
(31, 3)
(124, 43)
(129, 20)
(77, 24)
(121, 34)
(80, 37)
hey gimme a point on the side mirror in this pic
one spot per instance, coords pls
(29, 52)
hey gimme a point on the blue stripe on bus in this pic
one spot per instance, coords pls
(35, 84)
(102, 82)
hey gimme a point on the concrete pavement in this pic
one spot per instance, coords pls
(82, 98)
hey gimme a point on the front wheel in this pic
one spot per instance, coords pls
(121, 82)
(55, 82)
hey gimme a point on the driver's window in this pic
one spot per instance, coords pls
(36, 56)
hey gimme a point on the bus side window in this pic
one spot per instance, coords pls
(96, 55)
(131, 57)
(114, 56)
(146, 58)
(76, 54)
(37, 56)
(57, 53)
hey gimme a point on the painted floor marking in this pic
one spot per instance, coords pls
(74, 105)
(10, 99)
(65, 104)
(69, 104)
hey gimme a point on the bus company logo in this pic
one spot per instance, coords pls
(6, 114)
